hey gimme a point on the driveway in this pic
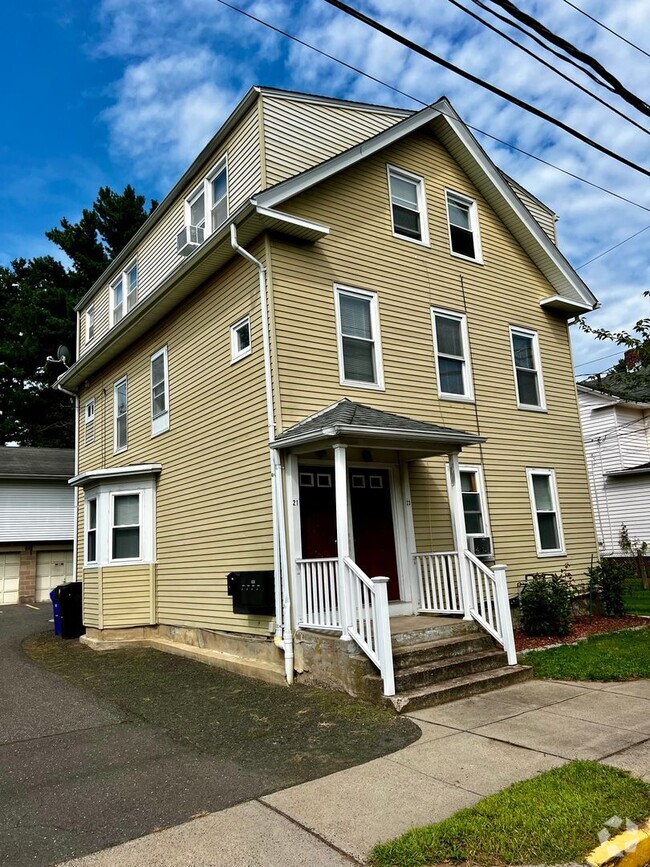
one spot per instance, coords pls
(77, 775)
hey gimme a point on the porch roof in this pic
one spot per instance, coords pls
(347, 420)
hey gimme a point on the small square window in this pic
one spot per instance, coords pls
(358, 481)
(324, 480)
(240, 339)
(376, 482)
(306, 480)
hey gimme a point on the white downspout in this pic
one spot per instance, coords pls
(75, 509)
(284, 635)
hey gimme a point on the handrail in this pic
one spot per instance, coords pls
(489, 604)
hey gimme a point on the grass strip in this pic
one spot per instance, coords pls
(613, 656)
(553, 818)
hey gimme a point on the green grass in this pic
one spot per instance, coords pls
(287, 735)
(613, 656)
(637, 600)
(553, 818)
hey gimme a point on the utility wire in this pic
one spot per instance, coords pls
(609, 249)
(605, 27)
(419, 49)
(593, 360)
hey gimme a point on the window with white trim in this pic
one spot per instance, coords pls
(407, 205)
(240, 339)
(451, 344)
(528, 369)
(542, 489)
(119, 521)
(124, 292)
(206, 208)
(90, 323)
(357, 316)
(462, 216)
(120, 415)
(89, 422)
(159, 392)
(125, 526)
(91, 530)
(471, 487)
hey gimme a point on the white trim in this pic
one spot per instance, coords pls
(418, 181)
(550, 474)
(89, 421)
(160, 422)
(90, 323)
(472, 209)
(528, 332)
(114, 473)
(94, 499)
(478, 470)
(340, 289)
(125, 305)
(117, 449)
(293, 220)
(204, 188)
(468, 395)
(104, 491)
(237, 354)
(121, 561)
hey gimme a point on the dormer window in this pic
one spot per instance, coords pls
(124, 292)
(206, 209)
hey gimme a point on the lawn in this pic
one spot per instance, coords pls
(612, 656)
(553, 818)
(637, 600)
(289, 735)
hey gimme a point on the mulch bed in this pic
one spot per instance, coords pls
(582, 627)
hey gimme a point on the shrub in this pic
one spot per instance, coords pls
(546, 601)
(608, 579)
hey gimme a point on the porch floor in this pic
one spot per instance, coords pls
(411, 622)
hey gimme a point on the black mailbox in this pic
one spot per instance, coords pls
(252, 592)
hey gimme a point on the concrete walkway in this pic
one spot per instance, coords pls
(468, 749)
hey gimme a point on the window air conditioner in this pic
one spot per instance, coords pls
(481, 547)
(188, 239)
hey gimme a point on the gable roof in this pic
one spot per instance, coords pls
(621, 388)
(32, 463)
(571, 292)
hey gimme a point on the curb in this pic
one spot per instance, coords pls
(628, 849)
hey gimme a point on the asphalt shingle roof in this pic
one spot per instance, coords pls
(31, 463)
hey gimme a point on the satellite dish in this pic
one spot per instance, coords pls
(63, 355)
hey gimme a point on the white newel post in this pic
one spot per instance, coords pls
(505, 617)
(342, 533)
(384, 642)
(458, 524)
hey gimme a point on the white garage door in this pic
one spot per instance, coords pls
(9, 566)
(52, 568)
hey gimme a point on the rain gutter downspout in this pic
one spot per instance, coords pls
(283, 638)
(75, 508)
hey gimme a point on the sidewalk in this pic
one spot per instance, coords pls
(468, 749)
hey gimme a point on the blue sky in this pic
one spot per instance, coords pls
(117, 91)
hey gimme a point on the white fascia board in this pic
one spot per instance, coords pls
(297, 184)
(563, 303)
(90, 476)
(292, 220)
(342, 430)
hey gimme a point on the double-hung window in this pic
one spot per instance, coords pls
(206, 209)
(408, 206)
(240, 339)
(473, 506)
(89, 422)
(451, 346)
(119, 415)
(124, 292)
(195, 214)
(159, 392)
(358, 337)
(218, 182)
(528, 369)
(464, 238)
(90, 323)
(91, 530)
(546, 512)
(125, 526)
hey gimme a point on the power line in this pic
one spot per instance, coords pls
(609, 249)
(605, 27)
(423, 103)
(592, 360)
(419, 49)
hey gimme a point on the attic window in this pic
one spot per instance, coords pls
(463, 227)
(407, 203)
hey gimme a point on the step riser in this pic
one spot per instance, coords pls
(434, 633)
(421, 655)
(460, 667)
(404, 704)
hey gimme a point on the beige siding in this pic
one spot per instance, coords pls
(156, 255)
(545, 219)
(409, 278)
(127, 595)
(213, 495)
(300, 134)
(91, 604)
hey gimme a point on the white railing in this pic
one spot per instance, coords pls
(440, 582)
(319, 591)
(489, 604)
(368, 620)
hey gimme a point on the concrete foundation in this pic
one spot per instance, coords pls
(323, 659)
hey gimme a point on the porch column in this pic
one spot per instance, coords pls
(342, 533)
(458, 526)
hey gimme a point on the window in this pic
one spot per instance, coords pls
(159, 392)
(119, 409)
(89, 418)
(407, 204)
(358, 338)
(124, 292)
(463, 227)
(90, 323)
(125, 527)
(451, 344)
(546, 512)
(240, 339)
(196, 211)
(206, 209)
(528, 369)
(218, 197)
(471, 487)
(91, 531)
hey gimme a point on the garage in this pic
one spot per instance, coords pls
(52, 568)
(9, 570)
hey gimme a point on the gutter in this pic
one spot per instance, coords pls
(283, 632)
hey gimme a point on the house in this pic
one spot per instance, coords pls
(36, 522)
(616, 430)
(327, 387)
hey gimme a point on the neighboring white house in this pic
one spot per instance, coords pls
(617, 447)
(36, 522)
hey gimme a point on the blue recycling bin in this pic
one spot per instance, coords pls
(56, 609)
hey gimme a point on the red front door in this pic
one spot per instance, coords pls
(373, 533)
